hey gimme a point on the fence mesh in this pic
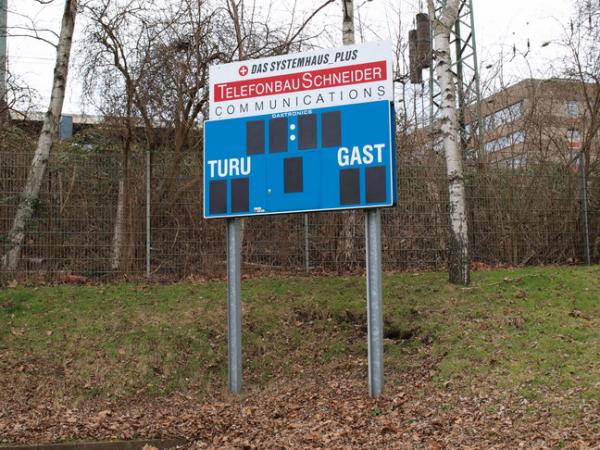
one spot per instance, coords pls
(517, 216)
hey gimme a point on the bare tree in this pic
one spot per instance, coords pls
(582, 63)
(19, 99)
(118, 40)
(458, 258)
(30, 194)
(149, 72)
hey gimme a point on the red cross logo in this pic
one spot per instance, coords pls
(243, 71)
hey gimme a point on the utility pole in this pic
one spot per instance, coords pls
(3, 59)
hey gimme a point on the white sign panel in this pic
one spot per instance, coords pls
(317, 79)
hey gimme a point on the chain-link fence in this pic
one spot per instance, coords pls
(517, 216)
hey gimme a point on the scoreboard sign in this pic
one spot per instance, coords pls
(298, 133)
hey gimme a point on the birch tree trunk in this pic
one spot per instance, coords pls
(30, 195)
(4, 110)
(236, 12)
(348, 22)
(458, 245)
(349, 221)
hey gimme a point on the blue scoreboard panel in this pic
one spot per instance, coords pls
(333, 158)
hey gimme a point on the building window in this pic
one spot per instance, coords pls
(489, 123)
(573, 139)
(518, 137)
(512, 112)
(468, 130)
(514, 162)
(572, 108)
(503, 116)
(573, 134)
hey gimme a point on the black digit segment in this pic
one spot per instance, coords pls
(349, 186)
(218, 197)
(278, 135)
(240, 188)
(375, 184)
(292, 175)
(331, 133)
(307, 131)
(255, 137)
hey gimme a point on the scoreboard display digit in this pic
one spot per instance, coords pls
(340, 157)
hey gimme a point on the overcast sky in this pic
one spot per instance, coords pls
(500, 25)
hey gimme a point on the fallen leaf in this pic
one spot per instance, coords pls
(104, 414)
(73, 279)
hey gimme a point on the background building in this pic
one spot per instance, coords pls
(537, 120)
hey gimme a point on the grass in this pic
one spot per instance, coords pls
(534, 332)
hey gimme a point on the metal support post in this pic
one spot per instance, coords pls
(584, 209)
(148, 213)
(374, 301)
(306, 249)
(234, 304)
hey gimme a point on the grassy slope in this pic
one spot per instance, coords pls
(534, 332)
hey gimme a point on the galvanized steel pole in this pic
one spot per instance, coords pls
(584, 209)
(148, 213)
(234, 304)
(306, 245)
(374, 301)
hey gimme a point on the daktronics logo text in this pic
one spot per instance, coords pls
(301, 81)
